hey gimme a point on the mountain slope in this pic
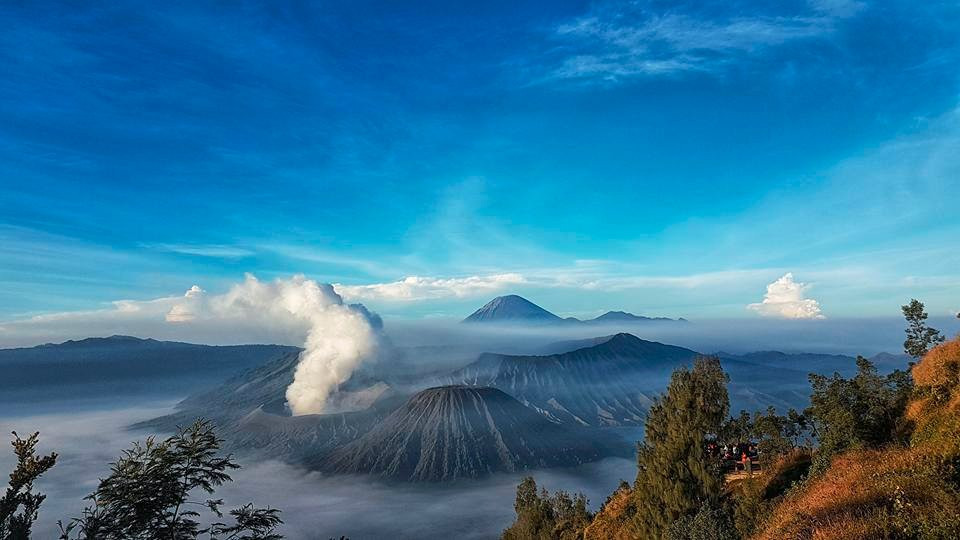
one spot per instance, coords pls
(261, 388)
(452, 432)
(559, 347)
(302, 440)
(250, 414)
(623, 316)
(122, 365)
(817, 362)
(899, 491)
(511, 308)
(610, 383)
(612, 380)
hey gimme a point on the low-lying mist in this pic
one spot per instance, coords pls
(417, 353)
(313, 505)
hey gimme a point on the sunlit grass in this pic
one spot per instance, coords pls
(901, 492)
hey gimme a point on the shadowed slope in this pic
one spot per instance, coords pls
(610, 383)
(452, 432)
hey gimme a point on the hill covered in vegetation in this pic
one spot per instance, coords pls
(905, 489)
(875, 455)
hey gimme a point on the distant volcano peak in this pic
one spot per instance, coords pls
(511, 308)
(515, 308)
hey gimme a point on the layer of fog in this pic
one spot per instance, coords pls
(313, 506)
(417, 354)
(836, 336)
(321, 507)
(85, 442)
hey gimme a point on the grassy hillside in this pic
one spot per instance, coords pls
(904, 484)
(908, 491)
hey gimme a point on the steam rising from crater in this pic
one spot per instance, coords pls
(337, 337)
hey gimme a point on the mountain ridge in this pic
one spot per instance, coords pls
(94, 369)
(516, 308)
(610, 383)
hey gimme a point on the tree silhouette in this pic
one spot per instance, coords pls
(148, 494)
(19, 505)
(861, 412)
(920, 337)
(542, 516)
(676, 478)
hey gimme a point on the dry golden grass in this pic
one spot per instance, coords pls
(612, 522)
(786, 470)
(883, 491)
(895, 492)
(940, 367)
(853, 528)
(889, 493)
(936, 415)
(954, 404)
(917, 409)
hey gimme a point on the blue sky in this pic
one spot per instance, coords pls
(667, 158)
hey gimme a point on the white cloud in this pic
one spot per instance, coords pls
(336, 338)
(621, 41)
(242, 315)
(182, 312)
(785, 298)
(427, 288)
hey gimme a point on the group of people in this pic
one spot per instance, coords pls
(737, 456)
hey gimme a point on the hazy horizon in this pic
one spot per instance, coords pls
(867, 336)
(395, 209)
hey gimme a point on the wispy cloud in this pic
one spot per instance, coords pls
(690, 281)
(203, 250)
(330, 258)
(623, 40)
(413, 288)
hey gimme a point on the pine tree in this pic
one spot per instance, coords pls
(675, 477)
(920, 337)
(541, 516)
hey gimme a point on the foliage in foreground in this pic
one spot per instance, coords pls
(148, 494)
(865, 411)
(678, 492)
(675, 478)
(909, 490)
(542, 516)
(888, 464)
(19, 505)
(756, 497)
(920, 337)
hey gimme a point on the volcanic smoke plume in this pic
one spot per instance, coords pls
(338, 337)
